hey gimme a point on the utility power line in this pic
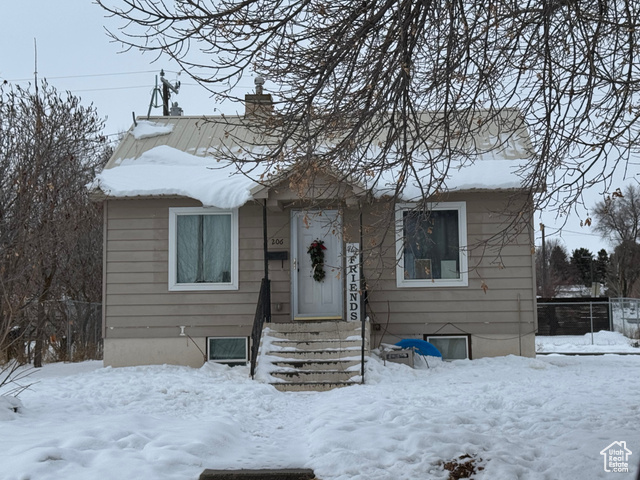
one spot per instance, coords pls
(110, 88)
(87, 75)
(581, 233)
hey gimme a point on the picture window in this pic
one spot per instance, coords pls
(432, 245)
(203, 249)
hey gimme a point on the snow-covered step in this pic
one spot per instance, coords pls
(315, 387)
(318, 345)
(314, 355)
(302, 365)
(317, 355)
(344, 335)
(324, 376)
(316, 326)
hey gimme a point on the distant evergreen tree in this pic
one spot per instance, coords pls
(581, 262)
(601, 266)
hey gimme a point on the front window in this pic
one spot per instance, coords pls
(202, 249)
(431, 245)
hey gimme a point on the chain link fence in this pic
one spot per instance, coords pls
(72, 331)
(625, 316)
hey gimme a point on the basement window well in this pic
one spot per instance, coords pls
(452, 347)
(228, 350)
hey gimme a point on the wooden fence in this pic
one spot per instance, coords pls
(573, 316)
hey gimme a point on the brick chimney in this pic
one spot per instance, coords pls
(258, 104)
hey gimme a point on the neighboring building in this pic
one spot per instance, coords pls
(580, 291)
(184, 252)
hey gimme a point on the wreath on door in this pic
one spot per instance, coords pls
(316, 252)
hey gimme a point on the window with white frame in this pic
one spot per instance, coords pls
(203, 249)
(228, 350)
(452, 347)
(432, 245)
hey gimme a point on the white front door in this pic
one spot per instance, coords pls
(312, 298)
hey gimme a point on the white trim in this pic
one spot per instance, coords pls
(229, 361)
(173, 214)
(466, 342)
(294, 262)
(463, 281)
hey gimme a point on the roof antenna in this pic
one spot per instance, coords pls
(35, 64)
(154, 98)
(167, 88)
(164, 93)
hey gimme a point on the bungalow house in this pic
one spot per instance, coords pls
(188, 237)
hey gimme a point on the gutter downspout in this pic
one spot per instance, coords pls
(519, 326)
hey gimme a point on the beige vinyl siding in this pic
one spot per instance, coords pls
(506, 307)
(138, 303)
(278, 227)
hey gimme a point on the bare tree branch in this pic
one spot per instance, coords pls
(356, 80)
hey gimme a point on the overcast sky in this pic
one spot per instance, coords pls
(74, 53)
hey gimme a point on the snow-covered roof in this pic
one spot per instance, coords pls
(164, 170)
(177, 156)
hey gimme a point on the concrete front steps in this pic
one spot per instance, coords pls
(313, 355)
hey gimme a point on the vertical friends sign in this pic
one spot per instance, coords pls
(354, 293)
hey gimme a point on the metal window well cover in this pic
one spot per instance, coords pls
(421, 347)
(398, 355)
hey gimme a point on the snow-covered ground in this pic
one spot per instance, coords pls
(599, 342)
(521, 418)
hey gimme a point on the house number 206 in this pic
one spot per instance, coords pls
(277, 241)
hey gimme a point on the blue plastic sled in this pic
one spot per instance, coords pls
(420, 346)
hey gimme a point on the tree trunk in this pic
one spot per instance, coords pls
(39, 334)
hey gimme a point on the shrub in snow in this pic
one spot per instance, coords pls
(463, 467)
(9, 407)
(12, 375)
